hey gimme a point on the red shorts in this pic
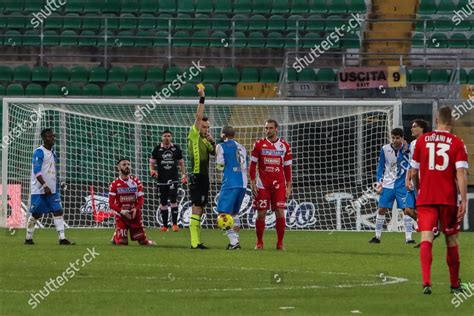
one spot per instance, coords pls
(428, 216)
(270, 199)
(123, 225)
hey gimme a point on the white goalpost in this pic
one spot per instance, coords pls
(335, 146)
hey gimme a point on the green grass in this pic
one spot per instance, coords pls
(320, 273)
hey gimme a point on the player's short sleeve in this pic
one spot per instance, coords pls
(113, 188)
(139, 186)
(461, 156)
(179, 152)
(415, 160)
(288, 159)
(38, 157)
(255, 152)
(193, 133)
(220, 155)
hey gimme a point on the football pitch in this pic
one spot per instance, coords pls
(320, 273)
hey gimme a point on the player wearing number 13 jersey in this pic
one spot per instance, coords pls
(272, 155)
(439, 167)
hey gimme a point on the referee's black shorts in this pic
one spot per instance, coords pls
(168, 192)
(199, 189)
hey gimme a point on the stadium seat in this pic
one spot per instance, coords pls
(211, 91)
(33, 6)
(184, 22)
(117, 73)
(334, 21)
(311, 39)
(130, 6)
(427, 7)
(326, 75)
(221, 22)
(171, 73)
(211, 75)
(458, 40)
(187, 91)
(111, 90)
(60, 73)
(112, 6)
(2, 89)
(40, 73)
(269, 75)
(230, 75)
(257, 23)
(12, 38)
(93, 6)
(219, 39)
(290, 40)
(123, 39)
(418, 40)
(135, 74)
(202, 22)
(144, 39)
(17, 20)
(225, 7)
(226, 91)
(276, 23)
(91, 90)
(204, 6)
(111, 39)
(111, 20)
(275, 40)
(295, 22)
(91, 21)
(127, 21)
(161, 39)
(186, 6)
(424, 24)
(299, 7)
(79, 73)
(464, 25)
(438, 40)
(307, 74)
(238, 40)
(242, 6)
(146, 22)
(6, 73)
(292, 74)
(51, 38)
(130, 90)
(241, 22)
(443, 24)
(154, 74)
(256, 40)
(97, 74)
(200, 39)
(53, 89)
(440, 76)
(14, 6)
(249, 74)
(350, 41)
(337, 6)
(471, 41)
(71, 21)
(280, 7)
(72, 89)
(318, 6)
(148, 6)
(148, 90)
(181, 39)
(446, 7)
(68, 38)
(31, 38)
(463, 76)
(315, 23)
(74, 6)
(34, 89)
(87, 38)
(357, 6)
(471, 77)
(261, 6)
(22, 73)
(167, 6)
(15, 89)
(419, 76)
(54, 21)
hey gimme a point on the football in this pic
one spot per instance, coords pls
(225, 221)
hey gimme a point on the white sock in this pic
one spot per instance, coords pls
(233, 239)
(30, 227)
(237, 224)
(380, 220)
(408, 223)
(415, 225)
(59, 223)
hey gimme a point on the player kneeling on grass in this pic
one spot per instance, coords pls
(45, 195)
(231, 158)
(126, 198)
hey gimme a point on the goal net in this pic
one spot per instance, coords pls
(335, 148)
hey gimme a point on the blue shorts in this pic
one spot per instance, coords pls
(230, 200)
(388, 196)
(411, 200)
(41, 203)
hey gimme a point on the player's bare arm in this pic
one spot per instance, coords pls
(182, 169)
(461, 177)
(153, 171)
(47, 190)
(415, 178)
(200, 108)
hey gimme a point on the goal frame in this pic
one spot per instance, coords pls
(7, 102)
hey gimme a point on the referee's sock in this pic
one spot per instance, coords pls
(164, 215)
(194, 229)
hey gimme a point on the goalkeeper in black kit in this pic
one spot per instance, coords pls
(165, 160)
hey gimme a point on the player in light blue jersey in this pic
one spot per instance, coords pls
(231, 157)
(45, 188)
(391, 179)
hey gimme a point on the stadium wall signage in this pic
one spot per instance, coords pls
(353, 78)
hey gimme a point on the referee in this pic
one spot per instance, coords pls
(164, 162)
(200, 146)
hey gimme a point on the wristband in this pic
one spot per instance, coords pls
(201, 100)
(44, 185)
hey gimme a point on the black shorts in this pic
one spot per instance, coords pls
(199, 189)
(168, 192)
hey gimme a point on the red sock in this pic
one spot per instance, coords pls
(280, 228)
(452, 258)
(260, 226)
(426, 258)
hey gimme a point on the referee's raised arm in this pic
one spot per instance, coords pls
(200, 108)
